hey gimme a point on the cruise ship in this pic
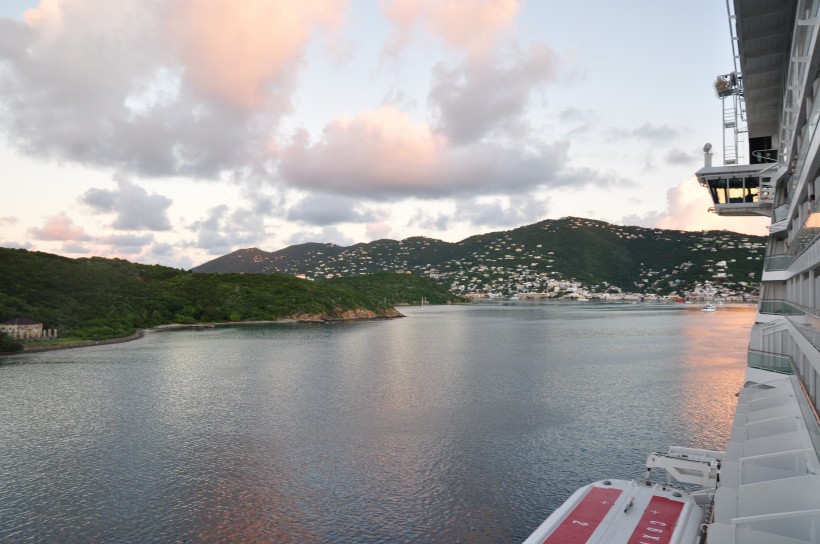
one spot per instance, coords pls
(765, 487)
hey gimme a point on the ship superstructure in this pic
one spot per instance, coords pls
(765, 487)
(769, 489)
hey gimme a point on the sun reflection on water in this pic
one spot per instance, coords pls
(713, 361)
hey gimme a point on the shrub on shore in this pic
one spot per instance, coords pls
(9, 344)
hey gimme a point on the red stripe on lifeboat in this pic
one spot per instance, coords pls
(587, 515)
(658, 522)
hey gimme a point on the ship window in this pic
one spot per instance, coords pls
(718, 189)
(736, 190)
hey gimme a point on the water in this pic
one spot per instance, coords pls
(456, 424)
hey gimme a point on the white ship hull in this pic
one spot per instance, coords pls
(765, 488)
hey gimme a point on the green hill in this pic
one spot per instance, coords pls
(596, 254)
(100, 298)
(396, 288)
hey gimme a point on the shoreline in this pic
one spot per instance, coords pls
(140, 333)
(33, 348)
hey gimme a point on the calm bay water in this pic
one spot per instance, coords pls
(455, 424)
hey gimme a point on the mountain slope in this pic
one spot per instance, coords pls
(104, 298)
(596, 254)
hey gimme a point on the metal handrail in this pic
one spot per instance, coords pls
(759, 155)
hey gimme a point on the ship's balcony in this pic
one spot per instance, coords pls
(780, 216)
(739, 190)
(773, 362)
(802, 239)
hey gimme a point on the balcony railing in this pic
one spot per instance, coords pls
(804, 319)
(794, 526)
(773, 362)
(780, 213)
(809, 411)
(778, 262)
(802, 240)
(780, 307)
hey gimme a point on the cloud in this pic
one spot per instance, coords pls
(427, 221)
(576, 115)
(322, 210)
(378, 231)
(476, 99)
(200, 89)
(165, 254)
(503, 212)
(676, 156)
(584, 121)
(329, 234)
(16, 245)
(446, 21)
(223, 230)
(126, 243)
(154, 88)
(60, 228)
(134, 207)
(72, 248)
(245, 52)
(647, 132)
(383, 154)
(379, 149)
(162, 249)
(687, 208)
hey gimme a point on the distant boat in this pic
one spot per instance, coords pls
(708, 307)
(514, 297)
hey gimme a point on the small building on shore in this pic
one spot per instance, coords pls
(23, 328)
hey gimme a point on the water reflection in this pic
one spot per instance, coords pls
(709, 359)
(454, 424)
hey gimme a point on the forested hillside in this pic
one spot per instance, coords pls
(596, 254)
(98, 298)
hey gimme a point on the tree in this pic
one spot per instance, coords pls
(8, 344)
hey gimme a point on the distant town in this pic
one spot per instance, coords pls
(544, 261)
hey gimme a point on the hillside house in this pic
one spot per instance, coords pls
(22, 328)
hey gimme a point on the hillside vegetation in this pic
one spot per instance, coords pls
(98, 298)
(398, 288)
(597, 254)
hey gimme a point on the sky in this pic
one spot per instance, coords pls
(175, 131)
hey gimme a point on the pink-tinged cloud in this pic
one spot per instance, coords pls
(245, 51)
(470, 25)
(377, 231)
(59, 227)
(48, 12)
(384, 154)
(382, 148)
(154, 87)
(688, 209)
